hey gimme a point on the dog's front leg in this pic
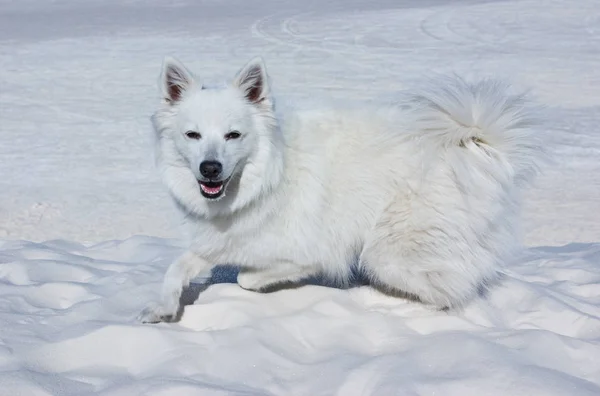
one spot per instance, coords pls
(178, 277)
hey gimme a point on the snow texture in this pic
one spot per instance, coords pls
(87, 230)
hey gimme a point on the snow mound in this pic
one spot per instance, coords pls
(67, 328)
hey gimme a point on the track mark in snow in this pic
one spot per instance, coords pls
(445, 26)
(277, 29)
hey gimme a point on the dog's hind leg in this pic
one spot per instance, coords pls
(178, 276)
(436, 255)
(265, 279)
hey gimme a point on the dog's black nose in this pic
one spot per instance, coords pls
(211, 169)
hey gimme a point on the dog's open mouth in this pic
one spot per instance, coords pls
(212, 189)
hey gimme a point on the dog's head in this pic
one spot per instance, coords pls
(218, 148)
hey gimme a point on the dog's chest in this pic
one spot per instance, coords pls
(265, 244)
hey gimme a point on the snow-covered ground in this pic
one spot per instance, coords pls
(86, 228)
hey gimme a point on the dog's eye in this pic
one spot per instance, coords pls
(233, 135)
(193, 135)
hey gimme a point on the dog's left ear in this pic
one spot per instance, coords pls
(252, 79)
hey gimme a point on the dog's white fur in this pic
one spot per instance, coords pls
(423, 194)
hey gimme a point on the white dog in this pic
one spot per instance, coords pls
(423, 194)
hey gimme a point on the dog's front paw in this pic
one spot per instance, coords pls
(156, 313)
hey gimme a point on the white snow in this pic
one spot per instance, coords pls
(87, 229)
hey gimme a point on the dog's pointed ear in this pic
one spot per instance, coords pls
(252, 79)
(175, 79)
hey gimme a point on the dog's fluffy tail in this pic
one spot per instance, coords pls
(480, 116)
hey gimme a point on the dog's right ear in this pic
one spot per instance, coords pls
(175, 79)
